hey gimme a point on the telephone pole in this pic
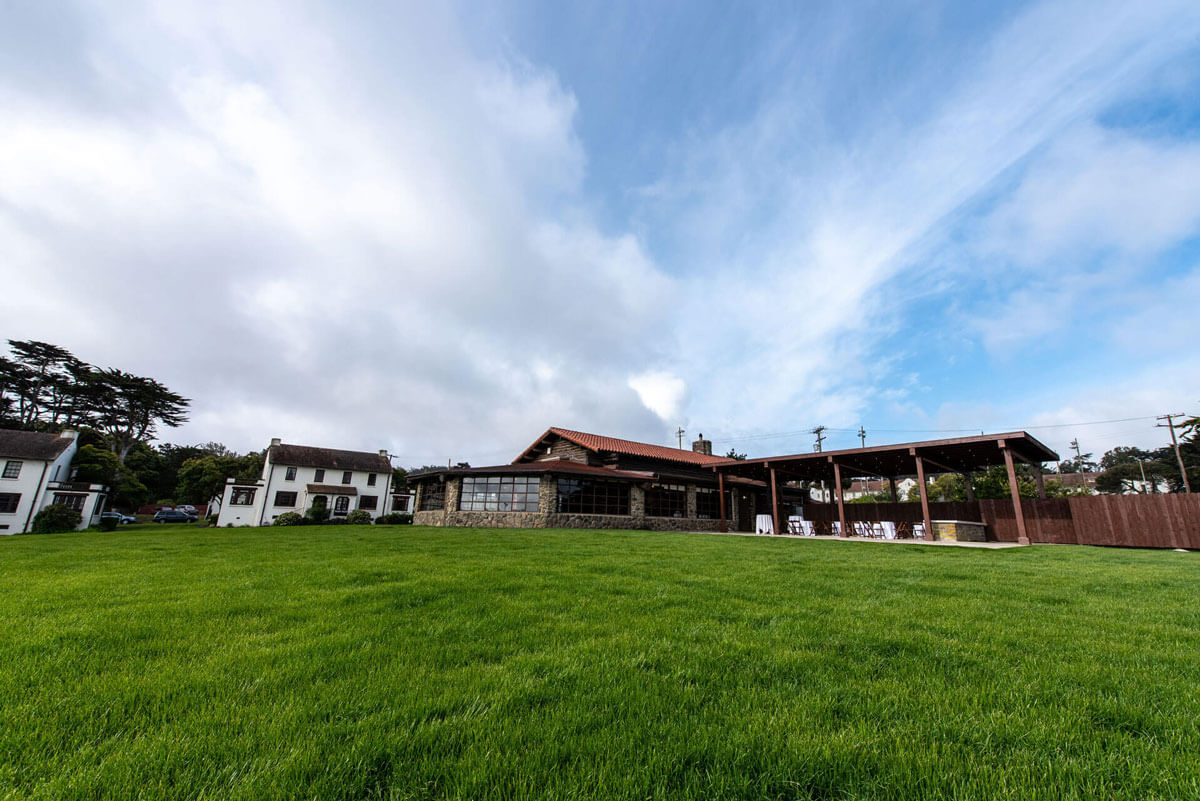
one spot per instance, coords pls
(820, 432)
(680, 434)
(1078, 457)
(862, 436)
(1170, 424)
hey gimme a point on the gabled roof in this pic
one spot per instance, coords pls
(32, 445)
(600, 444)
(328, 458)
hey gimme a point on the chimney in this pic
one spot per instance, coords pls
(702, 445)
(69, 433)
(383, 453)
(276, 441)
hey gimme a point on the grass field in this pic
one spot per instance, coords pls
(400, 662)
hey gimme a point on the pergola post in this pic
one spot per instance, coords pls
(775, 502)
(1040, 477)
(924, 495)
(837, 481)
(966, 477)
(1014, 488)
(723, 526)
(892, 484)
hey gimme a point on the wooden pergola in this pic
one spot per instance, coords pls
(963, 455)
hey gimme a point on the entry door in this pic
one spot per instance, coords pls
(745, 518)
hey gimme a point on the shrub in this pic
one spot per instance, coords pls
(288, 519)
(318, 514)
(55, 519)
(393, 519)
(359, 517)
(108, 524)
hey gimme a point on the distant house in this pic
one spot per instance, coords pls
(574, 479)
(297, 477)
(35, 473)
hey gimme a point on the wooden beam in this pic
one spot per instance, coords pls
(837, 480)
(1014, 488)
(775, 502)
(724, 526)
(924, 497)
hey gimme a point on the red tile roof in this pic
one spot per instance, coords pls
(533, 468)
(600, 444)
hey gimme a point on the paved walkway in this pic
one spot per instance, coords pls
(990, 545)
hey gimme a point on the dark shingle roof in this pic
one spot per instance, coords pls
(32, 445)
(328, 458)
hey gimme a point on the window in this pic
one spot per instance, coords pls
(319, 476)
(9, 501)
(242, 496)
(433, 496)
(708, 504)
(285, 499)
(346, 477)
(70, 500)
(12, 469)
(499, 494)
(370, 479)
(399, 503)
(289, 476)
(341, 504)
(587, 496)
(666, 500)
(368, 502)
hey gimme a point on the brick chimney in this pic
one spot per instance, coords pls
(702, 445)
(276, 441)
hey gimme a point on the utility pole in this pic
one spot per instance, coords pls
(679, 434)
(1170, 424)
(1078, 458)
(820, 432)
(862, 436)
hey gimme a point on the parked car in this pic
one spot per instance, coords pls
(173, 516)
(187, 507)
(120, 518)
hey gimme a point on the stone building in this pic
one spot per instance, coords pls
(571, 479)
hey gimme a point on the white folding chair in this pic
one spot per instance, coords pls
(918, 531)
(861, 529)
(837, 528)
(889, 530)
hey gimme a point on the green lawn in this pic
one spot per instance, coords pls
(400, 662)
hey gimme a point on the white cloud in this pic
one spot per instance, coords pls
(661, 393)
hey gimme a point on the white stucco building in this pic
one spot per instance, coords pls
(35, 472)
(295, 477)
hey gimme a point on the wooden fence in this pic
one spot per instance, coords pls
(1139, 521)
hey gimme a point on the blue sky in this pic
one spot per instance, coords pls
(440, 229)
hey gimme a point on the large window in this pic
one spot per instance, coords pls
(241, 497)
(708, 504)
(368, 502)
(12, 469)
(285, 499)
(585, 496)
(433, 496)
(341, 505)
(9, 501)
(499, 494)
(666, 500)
(399, 503)
(70, 500)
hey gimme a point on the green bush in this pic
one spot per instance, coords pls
(394, 519)
(108, 524)
(55, 519)
(288, 519)
(318, 514)
(359, 517)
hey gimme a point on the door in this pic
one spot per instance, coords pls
(745, 512)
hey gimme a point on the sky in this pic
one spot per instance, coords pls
(441, 228)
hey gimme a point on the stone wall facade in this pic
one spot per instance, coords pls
(547, 515)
